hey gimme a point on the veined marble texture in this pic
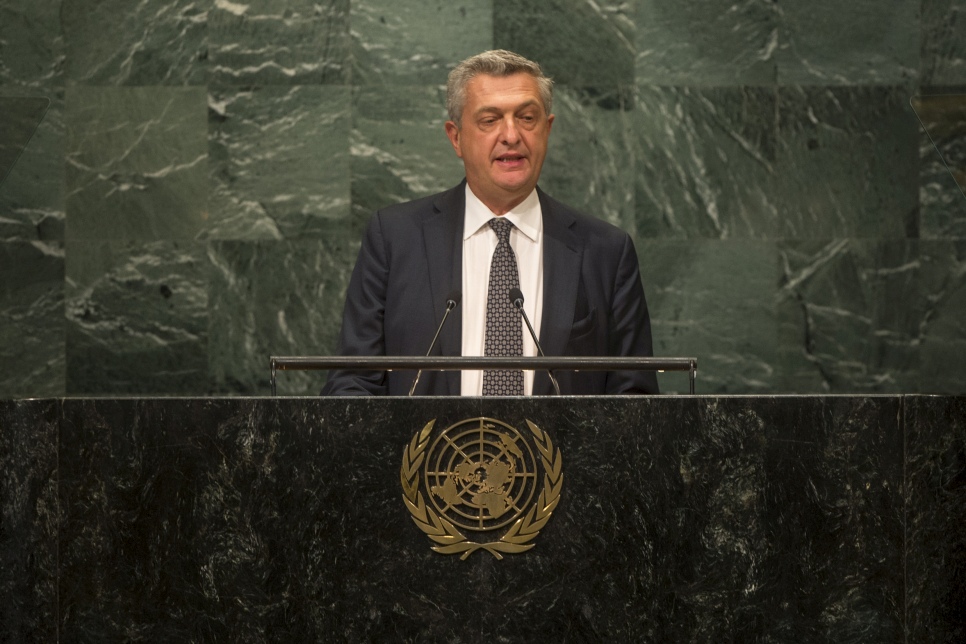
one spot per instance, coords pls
(399, 43)
(936, 474)
(590, 163)
(865, 315)
(848, 163)
(851, 315)
(32, 323)
(825, 42)
(707, 42)
(275, 298)
(279, 162)
(942, 360)
(760, 42)
(33, 53)
(266, 42)
(756, 126)
(697, 293)
(942, 174)
(399, 147)
(22, 115)
(32, 194)
(576, 43)
(716, 564)
(943, 51)
(137, 317)
(119, 42)
(136, 161)
(706, 163)
(29, 515)
(774, 519)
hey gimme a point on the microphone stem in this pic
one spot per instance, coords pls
(533, 335)
(450, 305)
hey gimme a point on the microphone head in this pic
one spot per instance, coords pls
(453, 299)
(516, 296)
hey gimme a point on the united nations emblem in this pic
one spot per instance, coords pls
(481, 476)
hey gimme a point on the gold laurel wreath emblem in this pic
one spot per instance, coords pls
(452, 541)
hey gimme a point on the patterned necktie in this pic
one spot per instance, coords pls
(504, 334)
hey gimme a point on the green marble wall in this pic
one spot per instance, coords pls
(193, 201)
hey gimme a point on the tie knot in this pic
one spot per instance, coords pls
(502, 227)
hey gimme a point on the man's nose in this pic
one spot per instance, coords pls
(510, 134)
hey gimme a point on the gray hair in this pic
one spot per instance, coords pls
(496, 62)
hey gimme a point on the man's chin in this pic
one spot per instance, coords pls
(514, 181)
(517, 192)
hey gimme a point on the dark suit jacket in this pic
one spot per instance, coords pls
(411, 261)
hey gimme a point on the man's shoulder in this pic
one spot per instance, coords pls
(416, 209)
(584, 225)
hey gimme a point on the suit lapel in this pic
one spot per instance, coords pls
(562, 254)
(443, 241)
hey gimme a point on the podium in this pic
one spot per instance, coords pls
(681, 518)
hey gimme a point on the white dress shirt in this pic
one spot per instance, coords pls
(479, 242)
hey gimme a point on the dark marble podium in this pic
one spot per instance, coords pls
(682, 519)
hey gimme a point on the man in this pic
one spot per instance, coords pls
(579, 275)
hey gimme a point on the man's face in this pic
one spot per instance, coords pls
(502, 138)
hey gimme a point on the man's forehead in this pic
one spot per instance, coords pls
(496, 92)
(515, 79)
(500, 106)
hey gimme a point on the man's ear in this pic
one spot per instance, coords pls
(453, 134)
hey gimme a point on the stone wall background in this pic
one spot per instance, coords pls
(193, 200)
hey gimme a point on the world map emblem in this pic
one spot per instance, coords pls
(481, 484)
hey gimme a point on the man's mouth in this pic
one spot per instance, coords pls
(511, 159)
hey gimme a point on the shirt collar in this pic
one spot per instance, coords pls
(526, 216)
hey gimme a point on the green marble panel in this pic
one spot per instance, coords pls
(31, 44)
(278, 162)
(590, 163)
(848, 163)
(576, 43)
(865, 42)
(136, 163)
(21, 116)
(32, 195)
(942, 205)
(416, 42)
(705, 162)
(943, 49)
(713, 300)
(137, 317)
(118, 42)
(399, 147)
(943, 353)
(707, 42)
(942, 167)
(850, 315)
(31, 319)
(267, 42)
(275, 298)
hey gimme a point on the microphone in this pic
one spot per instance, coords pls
(516, 296)
(452, 301)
